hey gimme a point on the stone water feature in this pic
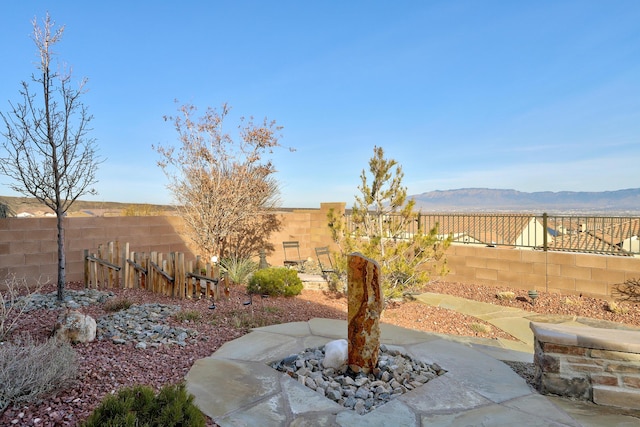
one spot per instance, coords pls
(366, 303)
(359, 373)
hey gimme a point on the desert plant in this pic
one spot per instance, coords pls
(616, 308)
(238, 270)
(29, 370)
(480, 328)
(15, 295)
(188, 315)
(272, 310)
(140, 406)
(505, 295)
(117, 305)
(248, 319)
(572, 301)
(275, 281)
(629, 290)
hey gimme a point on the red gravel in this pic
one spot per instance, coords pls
(104, 367)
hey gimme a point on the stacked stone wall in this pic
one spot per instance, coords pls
(599, 371)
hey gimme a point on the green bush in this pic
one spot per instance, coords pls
(275, 281)
(139, 406)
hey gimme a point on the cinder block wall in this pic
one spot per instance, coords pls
(564, 272)
(308, 227)
(28, 247)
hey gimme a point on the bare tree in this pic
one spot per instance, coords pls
(48, 153)
(224, 188)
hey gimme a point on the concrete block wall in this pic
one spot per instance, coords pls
(28, 246)
(564, 272)
(308, 227)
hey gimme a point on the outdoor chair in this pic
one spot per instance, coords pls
(325, 262)
(292, 256)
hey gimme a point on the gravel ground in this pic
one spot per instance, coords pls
(104, 367)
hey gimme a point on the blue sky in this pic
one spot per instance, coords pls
(532, 96)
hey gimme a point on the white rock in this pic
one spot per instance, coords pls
(335, 354)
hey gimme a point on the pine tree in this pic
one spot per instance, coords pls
(383, 226)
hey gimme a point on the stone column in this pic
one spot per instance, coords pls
(365, 308)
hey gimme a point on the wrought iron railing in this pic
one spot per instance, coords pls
(590, 234)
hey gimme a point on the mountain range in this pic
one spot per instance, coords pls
(463, 200)
(622, 202)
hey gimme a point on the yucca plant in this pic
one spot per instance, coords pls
(238, 270)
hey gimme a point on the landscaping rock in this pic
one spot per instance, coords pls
(75, 327)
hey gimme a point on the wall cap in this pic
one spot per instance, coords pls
(627, 341)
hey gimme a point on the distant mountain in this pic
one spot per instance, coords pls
(495, 200)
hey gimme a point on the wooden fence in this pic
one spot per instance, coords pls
(113, 266)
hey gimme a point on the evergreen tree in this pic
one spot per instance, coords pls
(384, 227)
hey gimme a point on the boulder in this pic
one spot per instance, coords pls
(75, 327)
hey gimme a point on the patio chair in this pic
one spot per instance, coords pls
(325, 262)
(292, 256)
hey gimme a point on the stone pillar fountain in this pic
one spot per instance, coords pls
(365, 308)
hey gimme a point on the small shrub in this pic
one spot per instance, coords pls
(117, 305)
(29, 371)
(246, 320)
(238, 270)
(616, 308)
(480, 328)
(275, 281)
(140, 406)
(572, 301)
(272, 310)
(506, 295)
(188, 315)
(14, 301)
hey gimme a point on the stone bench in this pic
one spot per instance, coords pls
(595, 364)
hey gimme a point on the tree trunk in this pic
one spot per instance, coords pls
(61, 256)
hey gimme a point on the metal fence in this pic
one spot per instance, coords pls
(588, 234)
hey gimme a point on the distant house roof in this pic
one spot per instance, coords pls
(605, 235)
(489, 229)
(594, 234)
(621, 230)
(585, 242)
